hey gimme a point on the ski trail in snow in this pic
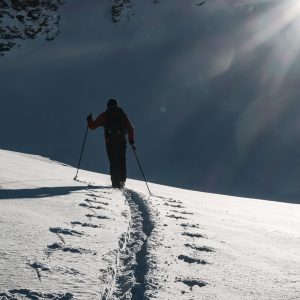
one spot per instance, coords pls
(132, 260)
(141, 267)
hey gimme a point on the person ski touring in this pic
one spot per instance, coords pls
(116, 126)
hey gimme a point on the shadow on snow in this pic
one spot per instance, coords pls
(43, 192)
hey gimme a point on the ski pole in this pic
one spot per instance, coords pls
(137, 159)
(87, 128)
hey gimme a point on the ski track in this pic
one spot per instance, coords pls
(132, 263)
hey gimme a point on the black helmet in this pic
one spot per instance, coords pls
(112, 103)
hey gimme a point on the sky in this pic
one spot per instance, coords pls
(212, 91)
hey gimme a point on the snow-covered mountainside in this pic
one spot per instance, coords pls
(66, 239)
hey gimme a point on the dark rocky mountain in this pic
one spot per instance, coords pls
(124, 9)
(27, 19)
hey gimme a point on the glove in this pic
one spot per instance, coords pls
(131, 142)
(89, 117)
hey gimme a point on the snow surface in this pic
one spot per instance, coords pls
(66, 239)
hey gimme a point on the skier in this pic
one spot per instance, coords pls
(116, 125)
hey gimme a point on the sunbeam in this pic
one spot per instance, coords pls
(267, 26)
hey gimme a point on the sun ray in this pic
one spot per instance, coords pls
(273, 22)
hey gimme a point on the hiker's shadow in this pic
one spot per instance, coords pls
(44, 192)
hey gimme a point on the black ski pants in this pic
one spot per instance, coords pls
(116, 151)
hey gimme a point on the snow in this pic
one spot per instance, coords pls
(66, 239)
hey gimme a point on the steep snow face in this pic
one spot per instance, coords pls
(66, 239)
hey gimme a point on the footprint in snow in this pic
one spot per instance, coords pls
(188, 225)
(181, 212)
(96, 201)
(202, 249)
(38, 267)
(174, 205)
(176, 217)
(97, 217)
(91, 195)
(74, 223)
(192, 282)
(58, 231)
(91, 207)
(94, 196)
(65, 231)
(193, 235)
(191, 260)
(174, 201)
(100, 195)
(61, 247)
(171, 200)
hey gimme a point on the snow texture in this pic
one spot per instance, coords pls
(66, 239)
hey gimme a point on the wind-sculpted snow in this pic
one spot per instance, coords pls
(27, 19)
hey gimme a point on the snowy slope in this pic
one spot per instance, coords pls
(66, 239)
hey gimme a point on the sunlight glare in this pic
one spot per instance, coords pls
(276, 20)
